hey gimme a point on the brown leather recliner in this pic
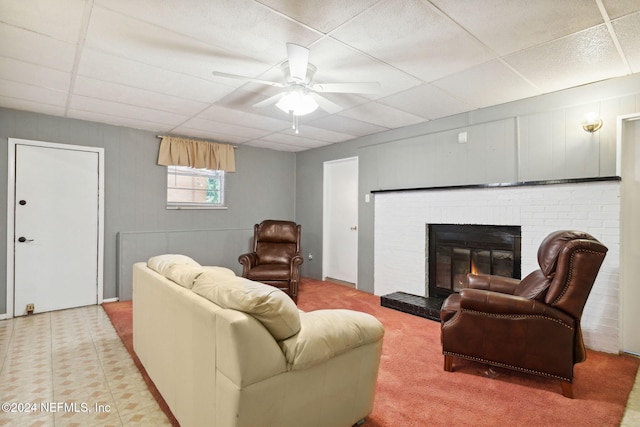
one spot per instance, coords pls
(276, 258)
(531, 325)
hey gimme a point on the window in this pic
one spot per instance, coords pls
(189, 188)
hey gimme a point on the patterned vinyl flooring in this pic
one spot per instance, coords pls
(69, 368)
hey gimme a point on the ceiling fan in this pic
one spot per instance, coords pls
(301, 95)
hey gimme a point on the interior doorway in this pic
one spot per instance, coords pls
(629, 169)
(55, 226)
(340, 221)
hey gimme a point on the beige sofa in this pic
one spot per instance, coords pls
(226, 351)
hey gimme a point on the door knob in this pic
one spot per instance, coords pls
(23, 239)
(354, 228)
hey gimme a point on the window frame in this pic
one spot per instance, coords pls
(185, 171)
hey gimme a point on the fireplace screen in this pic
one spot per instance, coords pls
(457, 250)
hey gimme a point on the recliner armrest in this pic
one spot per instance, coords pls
(498, 303)
(505, 285)
(248, 261)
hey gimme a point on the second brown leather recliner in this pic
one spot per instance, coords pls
(531, 325)
(275, 259)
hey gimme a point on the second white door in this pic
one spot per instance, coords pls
(340, 220)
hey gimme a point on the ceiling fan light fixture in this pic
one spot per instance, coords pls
(297, 102)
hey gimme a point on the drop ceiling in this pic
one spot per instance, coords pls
(147, 64)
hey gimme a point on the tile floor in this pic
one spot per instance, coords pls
(69, 368)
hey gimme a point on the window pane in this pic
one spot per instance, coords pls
(194, 187)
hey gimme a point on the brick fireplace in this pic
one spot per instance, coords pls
(402, 262)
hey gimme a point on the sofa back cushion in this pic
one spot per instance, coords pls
(267, 304)
(186, 274)
(162, 263)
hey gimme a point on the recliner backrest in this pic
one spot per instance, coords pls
(578, 264)
(561, 256)
(276, 242)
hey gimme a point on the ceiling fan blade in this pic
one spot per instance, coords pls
(298, 61)
(249, 79)
(363, 87)
(269, 101)
(325, 104)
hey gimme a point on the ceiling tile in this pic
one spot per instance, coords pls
(225, 128)
(297, 140)
(337, 63)
(382, 115)
(35, 48)
(320, 134)
(581, 58)
(100, 106)
(132, 121)
(628, 31)
(24, 72)
(209, 134)
(338, 123)
(413, 37)
(101, 66)
(243, 27)
(138, 97)
(323, 15)
(60, 19)
(427, 101)
(618, 8)
(36, 107)
(259, 143)
(28, 92)
(241, 118)
(488, 84)
(123, 36)
(507, 26)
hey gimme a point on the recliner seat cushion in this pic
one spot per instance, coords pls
(269, 305)
(269, 272)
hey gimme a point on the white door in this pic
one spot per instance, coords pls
(56, 228)
(629, 156)
(340, 220)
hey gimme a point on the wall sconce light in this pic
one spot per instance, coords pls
(592, 123)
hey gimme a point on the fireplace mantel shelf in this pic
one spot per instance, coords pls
(504, 184)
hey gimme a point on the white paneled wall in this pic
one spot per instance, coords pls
(401, 218)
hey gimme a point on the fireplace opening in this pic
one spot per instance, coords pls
(455, 250)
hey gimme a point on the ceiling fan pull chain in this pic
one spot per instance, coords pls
(296, 128)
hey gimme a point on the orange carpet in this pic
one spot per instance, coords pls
(414, 390)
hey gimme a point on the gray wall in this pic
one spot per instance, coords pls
(263, 187)
(538, 138)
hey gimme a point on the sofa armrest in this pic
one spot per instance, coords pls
(245, 350)
(325, 334)
(505, 285)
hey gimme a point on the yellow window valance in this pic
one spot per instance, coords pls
(198, 154)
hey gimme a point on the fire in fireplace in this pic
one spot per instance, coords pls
(455, 250)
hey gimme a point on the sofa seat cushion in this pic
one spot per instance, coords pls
(267, 304)
(186, 274)
(162, 263)
(269, 272)
(328, 333)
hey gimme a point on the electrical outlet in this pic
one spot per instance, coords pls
(310, 257)
(29, 308)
